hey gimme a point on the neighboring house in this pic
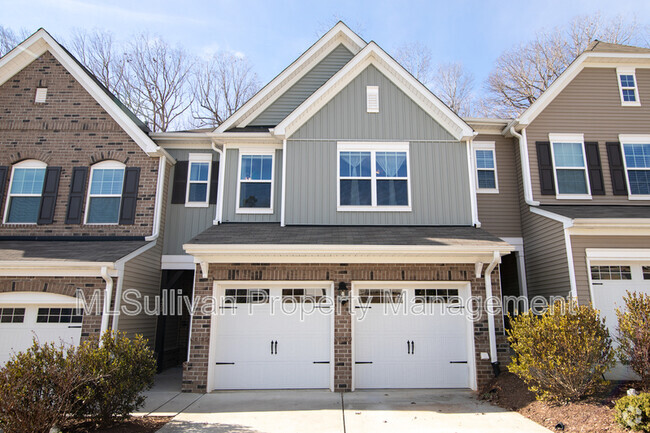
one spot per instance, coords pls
(81, 200)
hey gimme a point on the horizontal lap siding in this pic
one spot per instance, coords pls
(591, 105)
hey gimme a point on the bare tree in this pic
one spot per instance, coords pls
(9, 39)
(159, 81)
(454, 86)
(222, 84)
(416, 58)
(522, 73)
(98, 52)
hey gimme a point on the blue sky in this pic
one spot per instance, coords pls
(273, 33)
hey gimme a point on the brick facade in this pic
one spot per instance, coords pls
(71, 129)
(62, 286)
(195, 370)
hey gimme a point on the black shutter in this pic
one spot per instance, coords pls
(546, 182)
(77, 195)
(214, 182)
(3, 178)
(48, 198)
(180, 182)
(616, 168)
(129, 195)
(595, 169)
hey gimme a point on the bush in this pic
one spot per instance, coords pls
(121, 369)
(38, 389)
(633, 412)
(562, 354)
(634, 335)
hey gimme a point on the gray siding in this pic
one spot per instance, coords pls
(185, 222)
(230, 191)
(438, 164)
(304, 87)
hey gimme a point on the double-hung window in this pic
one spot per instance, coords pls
(373, 176)
(255, 182)
(105, 193)
(198, 180)
(25, 190)
(627, 87)
(486, 167)
(569, 166)
(636, 157)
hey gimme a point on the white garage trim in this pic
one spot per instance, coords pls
(34, 298)
(610, 255)
(464, 291)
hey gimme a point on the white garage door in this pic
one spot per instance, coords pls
(413, 337)
(21, 324)
(272, 338)
(610, 284)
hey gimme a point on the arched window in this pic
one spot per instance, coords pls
(105, 193)
(25, 191)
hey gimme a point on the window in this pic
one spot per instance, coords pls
(59, 315)
(247, 296)
(255, 189)
(372, 99)
(570, 169)
(646, 272)
(198, 180)
(381, 296)
(25, 190)
(435, 296)
(611, 273)
(12, 315)
(486, 167)
(627, 87)
(373, 177)
(303, 295)
(636, 158)
(105, 193)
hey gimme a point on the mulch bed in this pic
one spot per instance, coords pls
(594, 415)
(147, 424)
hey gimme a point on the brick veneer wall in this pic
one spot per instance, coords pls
(62, 286)
(196, 369)
(71, 129)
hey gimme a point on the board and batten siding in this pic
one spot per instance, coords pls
(439, 179)
(230, 190)
(499, 213)
(183, 223)
(304, 87)
(579, 245)
(591, 105)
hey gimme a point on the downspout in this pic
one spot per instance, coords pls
(496, 259)
(222, 166)
(160, 188)
(525, 165)
(472, 184)
(284, 182)
(108, 294)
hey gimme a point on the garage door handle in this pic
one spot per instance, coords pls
(458, 362)
(363, 362)
(321, 362)
(408, 347)
(74, 326)
(276, 347)
(224, 363)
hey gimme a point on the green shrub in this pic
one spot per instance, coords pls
(563, 353)
(634, 335)
(633, 412)
(122, 369)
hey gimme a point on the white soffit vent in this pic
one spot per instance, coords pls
(41, 95)
(372, 99)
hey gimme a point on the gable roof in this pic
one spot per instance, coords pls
(607, 47)
(339, 34)
(39, 43)
(373, 54)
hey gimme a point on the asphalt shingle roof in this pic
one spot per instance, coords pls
(68, 251)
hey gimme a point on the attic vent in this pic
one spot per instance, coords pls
(41, 95)
(372, 99)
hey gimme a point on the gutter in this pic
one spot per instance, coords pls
(496, 259)
(525, 164)
(222, 167)
(108, 293)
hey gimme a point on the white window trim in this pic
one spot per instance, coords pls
(101, 166)
(628, 71)
(372, 148)
(192, 159)
(253, 210)
(632, 139)
(485, 145)
(30, 163)
(570, 138)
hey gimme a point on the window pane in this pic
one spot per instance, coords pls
(568, 155)
(484, 159)
(256, 167)
(639, 181)
(198, 192)
(103, 210)
(28, 181)
(637, 155)
(629, 95)
(571, 182)
(355, 164)
(355, 193)
(107, 181)
(486, 179)
(23, 209)
(391, 164)
(627, 80)
(392, 193)
(199, 171)
(255, 195)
